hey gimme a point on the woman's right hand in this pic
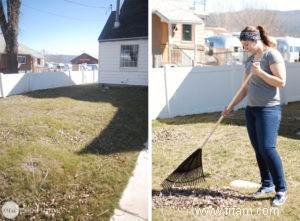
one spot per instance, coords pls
(226, 111)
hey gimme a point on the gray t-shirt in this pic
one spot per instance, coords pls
(261, 94)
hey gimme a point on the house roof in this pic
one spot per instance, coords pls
(84, 58)
(21, 50)
(133, 22)
(175, 12)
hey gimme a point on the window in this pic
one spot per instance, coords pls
(21, 59)
(186, 32)
(129, 55)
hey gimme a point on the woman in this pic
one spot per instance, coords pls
(263, 111)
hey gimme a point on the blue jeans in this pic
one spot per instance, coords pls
(262, 125)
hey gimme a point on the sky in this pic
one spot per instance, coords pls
(69, 27)
(72, 27)
(235, 5)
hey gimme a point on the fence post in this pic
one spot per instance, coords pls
(82, 74)
(93, 75)
(29, 81)
(69, 71)
(166, 91)
(1, 85)
(283, 97)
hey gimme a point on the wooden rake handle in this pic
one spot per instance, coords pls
(229, 106)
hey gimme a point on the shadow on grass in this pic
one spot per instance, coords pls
(127, 131)
(290, 122)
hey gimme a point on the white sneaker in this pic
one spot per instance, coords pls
(279, 199)
(262, 191)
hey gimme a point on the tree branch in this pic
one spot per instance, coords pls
(3, 21)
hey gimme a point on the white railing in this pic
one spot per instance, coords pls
(19, 83)
(176, 91)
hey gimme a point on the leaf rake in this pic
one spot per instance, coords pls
(190, 171)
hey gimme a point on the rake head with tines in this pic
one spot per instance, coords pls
(188, 173)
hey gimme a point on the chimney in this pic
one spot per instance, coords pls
(117, 22)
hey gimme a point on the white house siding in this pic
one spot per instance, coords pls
(110, 71)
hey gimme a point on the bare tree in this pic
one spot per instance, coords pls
(10, 29)
(266, 18)
(236, 21)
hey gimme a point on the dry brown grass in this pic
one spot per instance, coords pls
(67, 153)
(227, 156)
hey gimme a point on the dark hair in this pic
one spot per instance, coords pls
(263, 34)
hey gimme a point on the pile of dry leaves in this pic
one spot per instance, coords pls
(163, 135)
(189, 198)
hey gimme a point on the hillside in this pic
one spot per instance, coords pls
(291, 22)
(59, 58)
(278, 23)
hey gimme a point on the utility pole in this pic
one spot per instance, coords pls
(200, 3)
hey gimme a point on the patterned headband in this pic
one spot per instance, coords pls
(250, 36)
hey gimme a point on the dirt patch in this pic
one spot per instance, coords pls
(41, 128)
(30, 164)
(189, 198)
(5, 135)
(4, 180)
(163, 135)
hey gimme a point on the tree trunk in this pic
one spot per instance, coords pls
(10, 30)
(12, 55)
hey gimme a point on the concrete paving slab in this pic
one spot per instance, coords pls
(244, 184)
(133, 205)
(120, 215)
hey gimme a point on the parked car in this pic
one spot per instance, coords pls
(67, 67)
(49, 66)
(289, 47)
(226, 48)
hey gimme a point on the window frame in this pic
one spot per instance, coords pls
(131, 50)
(21, 59)
(184, 26)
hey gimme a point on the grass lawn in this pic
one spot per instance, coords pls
(67, 153)
(226, 157)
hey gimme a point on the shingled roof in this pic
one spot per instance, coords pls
(175, 12)
(22, 49)
(133, 22)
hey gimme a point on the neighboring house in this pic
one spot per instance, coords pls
(123, 45)
(84, 62)
(177, 34)
(84, 59)
(29, 60)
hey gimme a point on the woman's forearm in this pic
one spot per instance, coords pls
(272, 80)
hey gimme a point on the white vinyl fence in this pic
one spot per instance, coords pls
(177, 91)
(19, 83)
